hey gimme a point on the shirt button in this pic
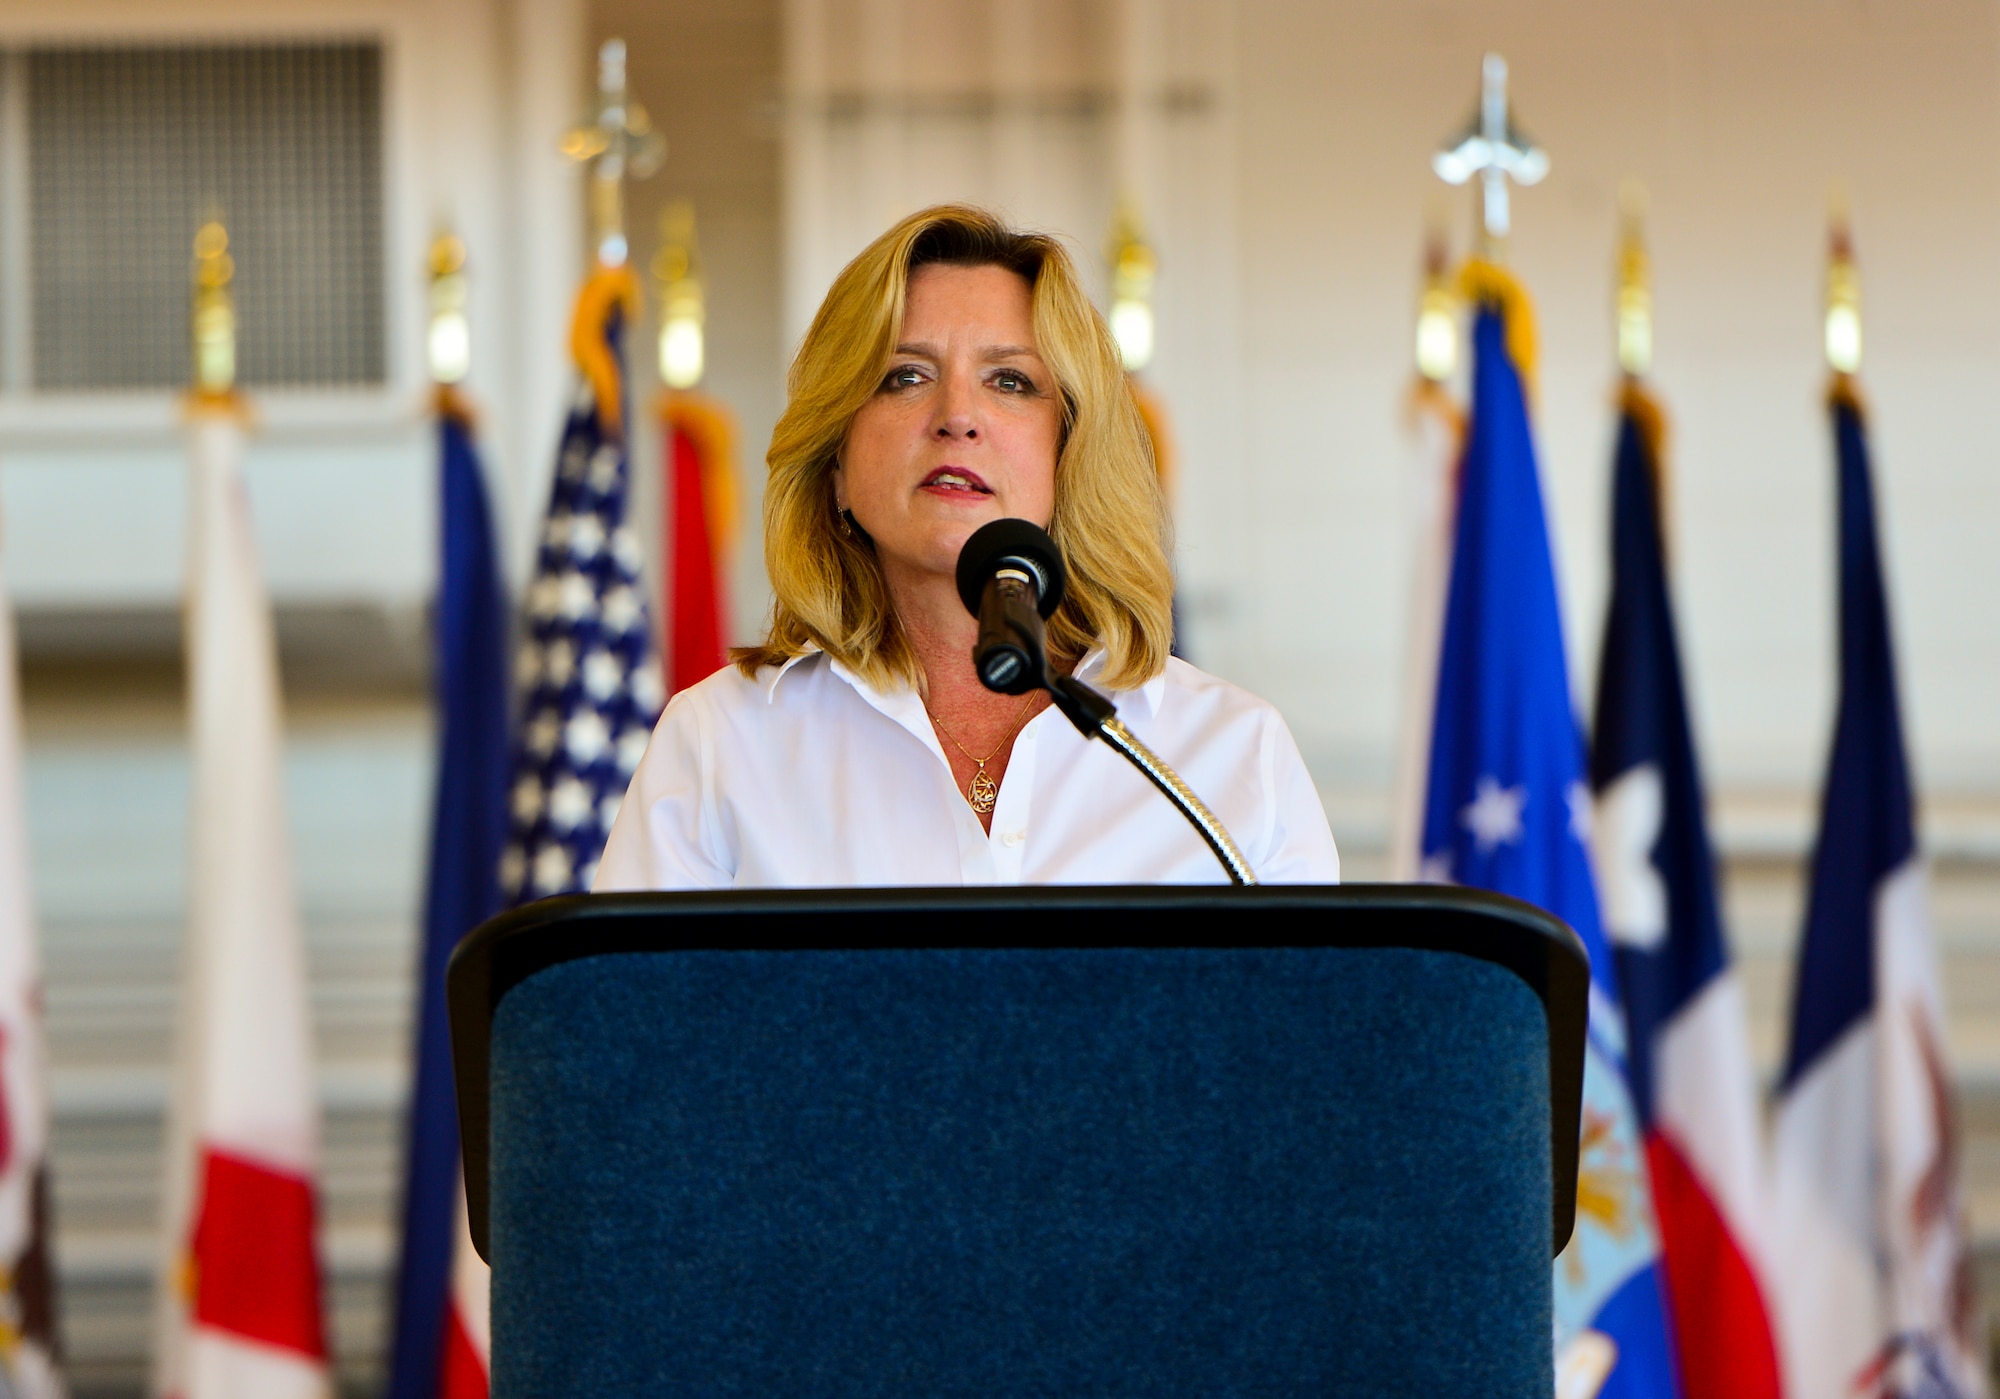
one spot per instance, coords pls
(1013, 837)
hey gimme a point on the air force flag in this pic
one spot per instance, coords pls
(1507, 809)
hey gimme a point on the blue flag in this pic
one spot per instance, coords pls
(468, 826)
(589, 670)
(1507, 809)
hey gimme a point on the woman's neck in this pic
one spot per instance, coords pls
(941, 633)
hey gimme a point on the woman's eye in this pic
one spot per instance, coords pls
(904, 377)
(1007, 381)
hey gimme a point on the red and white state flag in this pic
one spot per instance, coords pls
(468, 1331)
(27, 1300)
(240, 1309)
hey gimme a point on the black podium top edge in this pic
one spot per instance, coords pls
(1530, 942)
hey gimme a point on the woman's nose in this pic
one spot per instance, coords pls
(956, 417)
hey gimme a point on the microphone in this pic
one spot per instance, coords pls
(1011, 577)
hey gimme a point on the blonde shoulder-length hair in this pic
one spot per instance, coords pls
(1110, 518)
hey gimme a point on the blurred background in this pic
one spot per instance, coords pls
(1277, 156)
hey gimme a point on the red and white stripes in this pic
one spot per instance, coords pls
(241, 1307)
(1710, 1196)
(468, 1330)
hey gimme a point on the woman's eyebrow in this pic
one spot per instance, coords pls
(991, 352)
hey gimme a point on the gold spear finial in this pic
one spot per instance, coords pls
(1437, 307)
(1133, 268)
(214, 313)
(450, 341)
(677, 269)
(1635, 283)
(1843, 289)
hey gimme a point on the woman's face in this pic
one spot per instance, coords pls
(963, 427)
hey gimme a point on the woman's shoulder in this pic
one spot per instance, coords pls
(1182, 684)
(1233, 737)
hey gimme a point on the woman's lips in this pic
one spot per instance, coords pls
(955, 481)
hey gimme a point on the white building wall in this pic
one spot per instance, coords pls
(477, 95)
(1289, 167)
(1736, 117)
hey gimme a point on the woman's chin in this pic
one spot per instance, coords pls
(933, 550)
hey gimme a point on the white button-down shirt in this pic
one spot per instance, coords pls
(806, 776)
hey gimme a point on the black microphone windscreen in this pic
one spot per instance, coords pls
(1021, 543)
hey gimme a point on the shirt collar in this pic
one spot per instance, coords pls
(1091, 667)
(880, 699)
(771, 685)
(1087, 670)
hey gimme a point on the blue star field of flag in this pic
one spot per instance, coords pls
(588, 669)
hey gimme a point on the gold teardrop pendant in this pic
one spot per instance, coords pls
(981, 791)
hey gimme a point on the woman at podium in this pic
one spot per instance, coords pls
(956, 374)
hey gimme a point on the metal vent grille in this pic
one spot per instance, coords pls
(131, 149)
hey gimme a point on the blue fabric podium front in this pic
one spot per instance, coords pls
(1053, 1141)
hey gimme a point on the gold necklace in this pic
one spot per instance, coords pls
(982, 791)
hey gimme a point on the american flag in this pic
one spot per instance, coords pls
(588, 670)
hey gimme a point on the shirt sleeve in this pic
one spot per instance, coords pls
(665, 833)
(1298, 844)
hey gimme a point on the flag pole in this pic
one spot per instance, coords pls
(1688, 1047)
(448, 340)
(1871, 1210)
(31, 1368)
(214, 322)
(441, 1311)
(1635, 284)
(568, 764)
(616, 142)
(1494, 151)
(1841, 336)
(1437, 433)
(589, 667)
(1134, 269)
(1507, 800)
(1635, 345)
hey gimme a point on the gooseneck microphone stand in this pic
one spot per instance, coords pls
(1010, 576)
(1096, 717)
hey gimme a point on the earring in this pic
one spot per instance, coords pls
(846, 521)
